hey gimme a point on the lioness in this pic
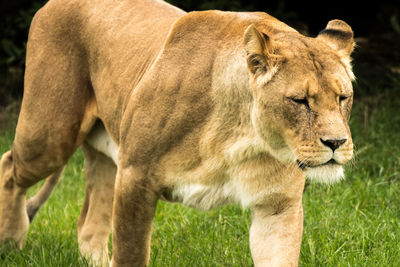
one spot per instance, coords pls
(204, 108)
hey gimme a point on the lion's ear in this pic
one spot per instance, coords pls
(338, 35)
(257, 45)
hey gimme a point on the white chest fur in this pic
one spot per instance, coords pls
(243, 175)
(204, 197)
(247, 184)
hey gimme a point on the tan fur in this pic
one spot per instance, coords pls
(94, 223)
(204, 108)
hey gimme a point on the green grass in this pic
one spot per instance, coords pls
(352, 223)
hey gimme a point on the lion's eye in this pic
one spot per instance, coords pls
(301, 101)
(343, 98)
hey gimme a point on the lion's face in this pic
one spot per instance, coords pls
(302, 104)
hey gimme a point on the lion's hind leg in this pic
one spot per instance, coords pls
(58, 110)
(14, 222)
(36, 154)
(94, 223)
(35, 203)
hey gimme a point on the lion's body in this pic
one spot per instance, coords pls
(167, 102)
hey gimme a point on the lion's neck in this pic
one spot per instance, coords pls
(229, 129)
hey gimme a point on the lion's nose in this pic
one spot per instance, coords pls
(333, 143)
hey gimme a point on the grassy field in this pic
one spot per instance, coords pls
(353, 223)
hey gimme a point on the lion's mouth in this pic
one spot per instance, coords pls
(303, 165)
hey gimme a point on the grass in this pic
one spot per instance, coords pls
(353, 223)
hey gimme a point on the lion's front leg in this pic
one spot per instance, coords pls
(275, 237)
(135, 202)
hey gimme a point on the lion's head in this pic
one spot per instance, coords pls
(303, 95)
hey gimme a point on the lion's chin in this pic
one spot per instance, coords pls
(327, 174)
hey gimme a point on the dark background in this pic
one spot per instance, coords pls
(376, 25)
